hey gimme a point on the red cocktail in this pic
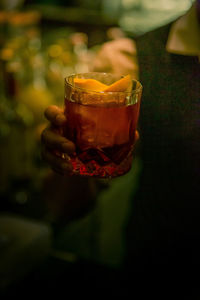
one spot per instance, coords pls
(102, 125)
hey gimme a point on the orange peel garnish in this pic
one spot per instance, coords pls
(90, 84)
(122, 85)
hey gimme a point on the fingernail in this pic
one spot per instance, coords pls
(68, 148)
(60, 119)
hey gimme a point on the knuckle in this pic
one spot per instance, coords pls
(50, 111)
(50, 108)
(46, 112)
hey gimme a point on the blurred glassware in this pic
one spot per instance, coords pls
(18, 121)
(140, 16)
(31, 72)
(11, 4)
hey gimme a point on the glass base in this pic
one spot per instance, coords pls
(93, 169)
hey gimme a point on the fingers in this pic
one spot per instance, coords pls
(54, 141)
(54, 145)
(58, 164)
(55, 115)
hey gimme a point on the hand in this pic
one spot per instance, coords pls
(71, 202)
(55, 147)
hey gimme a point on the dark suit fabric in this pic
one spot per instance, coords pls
(164, 227)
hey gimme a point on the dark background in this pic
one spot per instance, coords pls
(54, 235)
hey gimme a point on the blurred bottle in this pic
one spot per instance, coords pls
(11, 4)
(79, 41)
(9, 120)
(3, 24)
(25, 97)
(112, 9)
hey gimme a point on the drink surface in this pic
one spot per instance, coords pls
(104, 137)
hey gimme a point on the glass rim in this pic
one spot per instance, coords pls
(134, 91)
